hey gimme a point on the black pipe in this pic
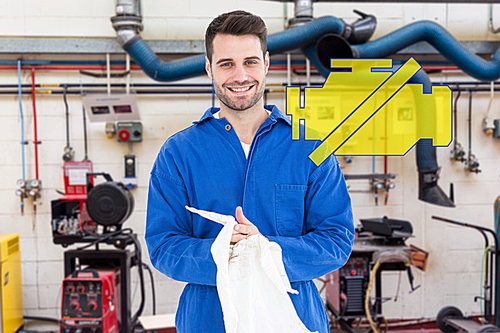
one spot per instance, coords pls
(470, 122)
(67, 118)
(139, 92)
(85, 149)
(185, 85)
(455, 118)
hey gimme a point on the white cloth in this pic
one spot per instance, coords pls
(252, 285)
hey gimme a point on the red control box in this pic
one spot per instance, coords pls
(89, 302)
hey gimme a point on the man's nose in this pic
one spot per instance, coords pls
(240, 74)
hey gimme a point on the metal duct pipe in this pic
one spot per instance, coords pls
(194, 66)
(128, 21)
(303, 13)
(128, 28)
(128, 7)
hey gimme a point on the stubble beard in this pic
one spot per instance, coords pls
(232, 104)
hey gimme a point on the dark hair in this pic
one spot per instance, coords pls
(237, 23)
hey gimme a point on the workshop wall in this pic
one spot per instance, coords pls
(453, 272)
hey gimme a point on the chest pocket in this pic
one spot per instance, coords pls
(290, 209)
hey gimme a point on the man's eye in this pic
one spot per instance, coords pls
(251, 62)
(227, 64)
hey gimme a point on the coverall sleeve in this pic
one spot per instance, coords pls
(169, 237)
(329, 227)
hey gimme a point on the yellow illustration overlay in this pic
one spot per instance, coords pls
(364, 108)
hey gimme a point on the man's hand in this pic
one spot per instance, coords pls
(245, 228)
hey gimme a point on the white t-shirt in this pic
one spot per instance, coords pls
(245, 146)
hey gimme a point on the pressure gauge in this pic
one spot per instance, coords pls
(21, 182)
(35, 183)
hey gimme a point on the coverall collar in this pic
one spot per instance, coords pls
(273, 117)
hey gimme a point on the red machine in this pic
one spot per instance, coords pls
(70, 220)
(89, 302)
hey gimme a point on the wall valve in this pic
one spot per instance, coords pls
(28, 189)
(68, 154)
(473, 164)
(376, 186)
(388, 185)
(20, 192)
(458, 152)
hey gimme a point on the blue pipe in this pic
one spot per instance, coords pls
(441, 40)
(22, 117)
(194, 66)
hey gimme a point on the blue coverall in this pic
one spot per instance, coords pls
(304, 208)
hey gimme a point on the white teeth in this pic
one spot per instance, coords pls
(240, 89)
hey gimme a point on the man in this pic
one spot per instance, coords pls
(241, 160)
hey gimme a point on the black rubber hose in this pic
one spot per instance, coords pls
(53, 320)
(153, 292)
(138, 253)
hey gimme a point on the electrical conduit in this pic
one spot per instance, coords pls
(22, 117)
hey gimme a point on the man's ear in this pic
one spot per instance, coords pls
(207, 67)
(266, 61)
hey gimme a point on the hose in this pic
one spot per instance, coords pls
(52, 320)
(279, 42)
(138, 253)
(153, 292)
(373, 325)
(441, 40)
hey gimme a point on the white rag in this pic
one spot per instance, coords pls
(252, 285)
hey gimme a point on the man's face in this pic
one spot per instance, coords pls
(238, 70)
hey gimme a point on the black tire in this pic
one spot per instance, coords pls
(448, 312)
(488, 328)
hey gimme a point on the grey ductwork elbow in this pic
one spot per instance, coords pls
(361, 30)
(127, 22)
(339, 45)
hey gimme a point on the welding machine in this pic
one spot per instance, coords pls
(346, 288)
(89, 302)
(380, 241)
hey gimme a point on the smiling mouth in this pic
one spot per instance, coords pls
(243, 89)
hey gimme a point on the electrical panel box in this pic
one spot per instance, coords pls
(129, 132)
(11, 287)
(496, 131)
(115, 107)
